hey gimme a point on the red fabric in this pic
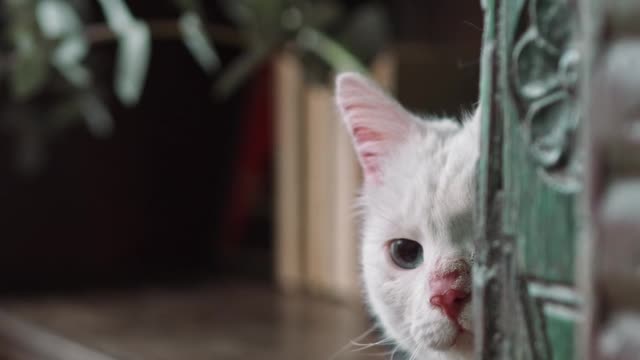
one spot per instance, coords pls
(251, 164)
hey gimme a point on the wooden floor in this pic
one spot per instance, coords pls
(217, 322)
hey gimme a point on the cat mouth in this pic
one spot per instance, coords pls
(450, 342)
(447, 336)
(461, 338)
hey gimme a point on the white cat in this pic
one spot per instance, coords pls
(416, 204)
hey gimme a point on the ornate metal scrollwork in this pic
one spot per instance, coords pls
(545, 68)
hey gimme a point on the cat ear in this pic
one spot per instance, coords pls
(375, 121)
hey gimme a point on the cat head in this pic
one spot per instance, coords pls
(416, 205)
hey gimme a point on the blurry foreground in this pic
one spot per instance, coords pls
(215, 322)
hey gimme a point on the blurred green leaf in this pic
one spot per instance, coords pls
(31, 69)
(96, 114)
(117, 14)
(56, 18)
(196, 40)
(132, 64)
(134, 50)
(66, 58)
(276, 22)
(240, 69)
(330, 51)
(367, 32)
(239, 11)
(323, 13)
(83, 105)
(292, 19)
(59, 21)
(259, 20)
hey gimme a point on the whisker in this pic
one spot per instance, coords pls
(365, 346)
(393, 354)
(415, 353)
(465, 64)
(355, 342)
(382, 353)
(466, 22)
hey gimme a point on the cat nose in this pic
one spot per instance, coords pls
(451, 289)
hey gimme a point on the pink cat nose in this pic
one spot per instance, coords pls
(451, 290)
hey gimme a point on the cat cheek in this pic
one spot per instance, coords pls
(465, 318)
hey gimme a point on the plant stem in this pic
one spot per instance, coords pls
(167, 29)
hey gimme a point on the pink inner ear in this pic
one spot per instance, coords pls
(370, 145)
(376, 122)
(363, 135)
(368, 158)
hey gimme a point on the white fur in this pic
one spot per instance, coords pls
(424, 180)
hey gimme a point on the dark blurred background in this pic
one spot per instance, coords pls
(149, 201)
(175, 189)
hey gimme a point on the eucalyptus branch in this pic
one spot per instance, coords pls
(167, 29)
(161, 29)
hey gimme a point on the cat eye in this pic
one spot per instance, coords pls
(406, 253)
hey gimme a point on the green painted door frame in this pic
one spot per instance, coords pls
(557, 274)
(527, 304)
